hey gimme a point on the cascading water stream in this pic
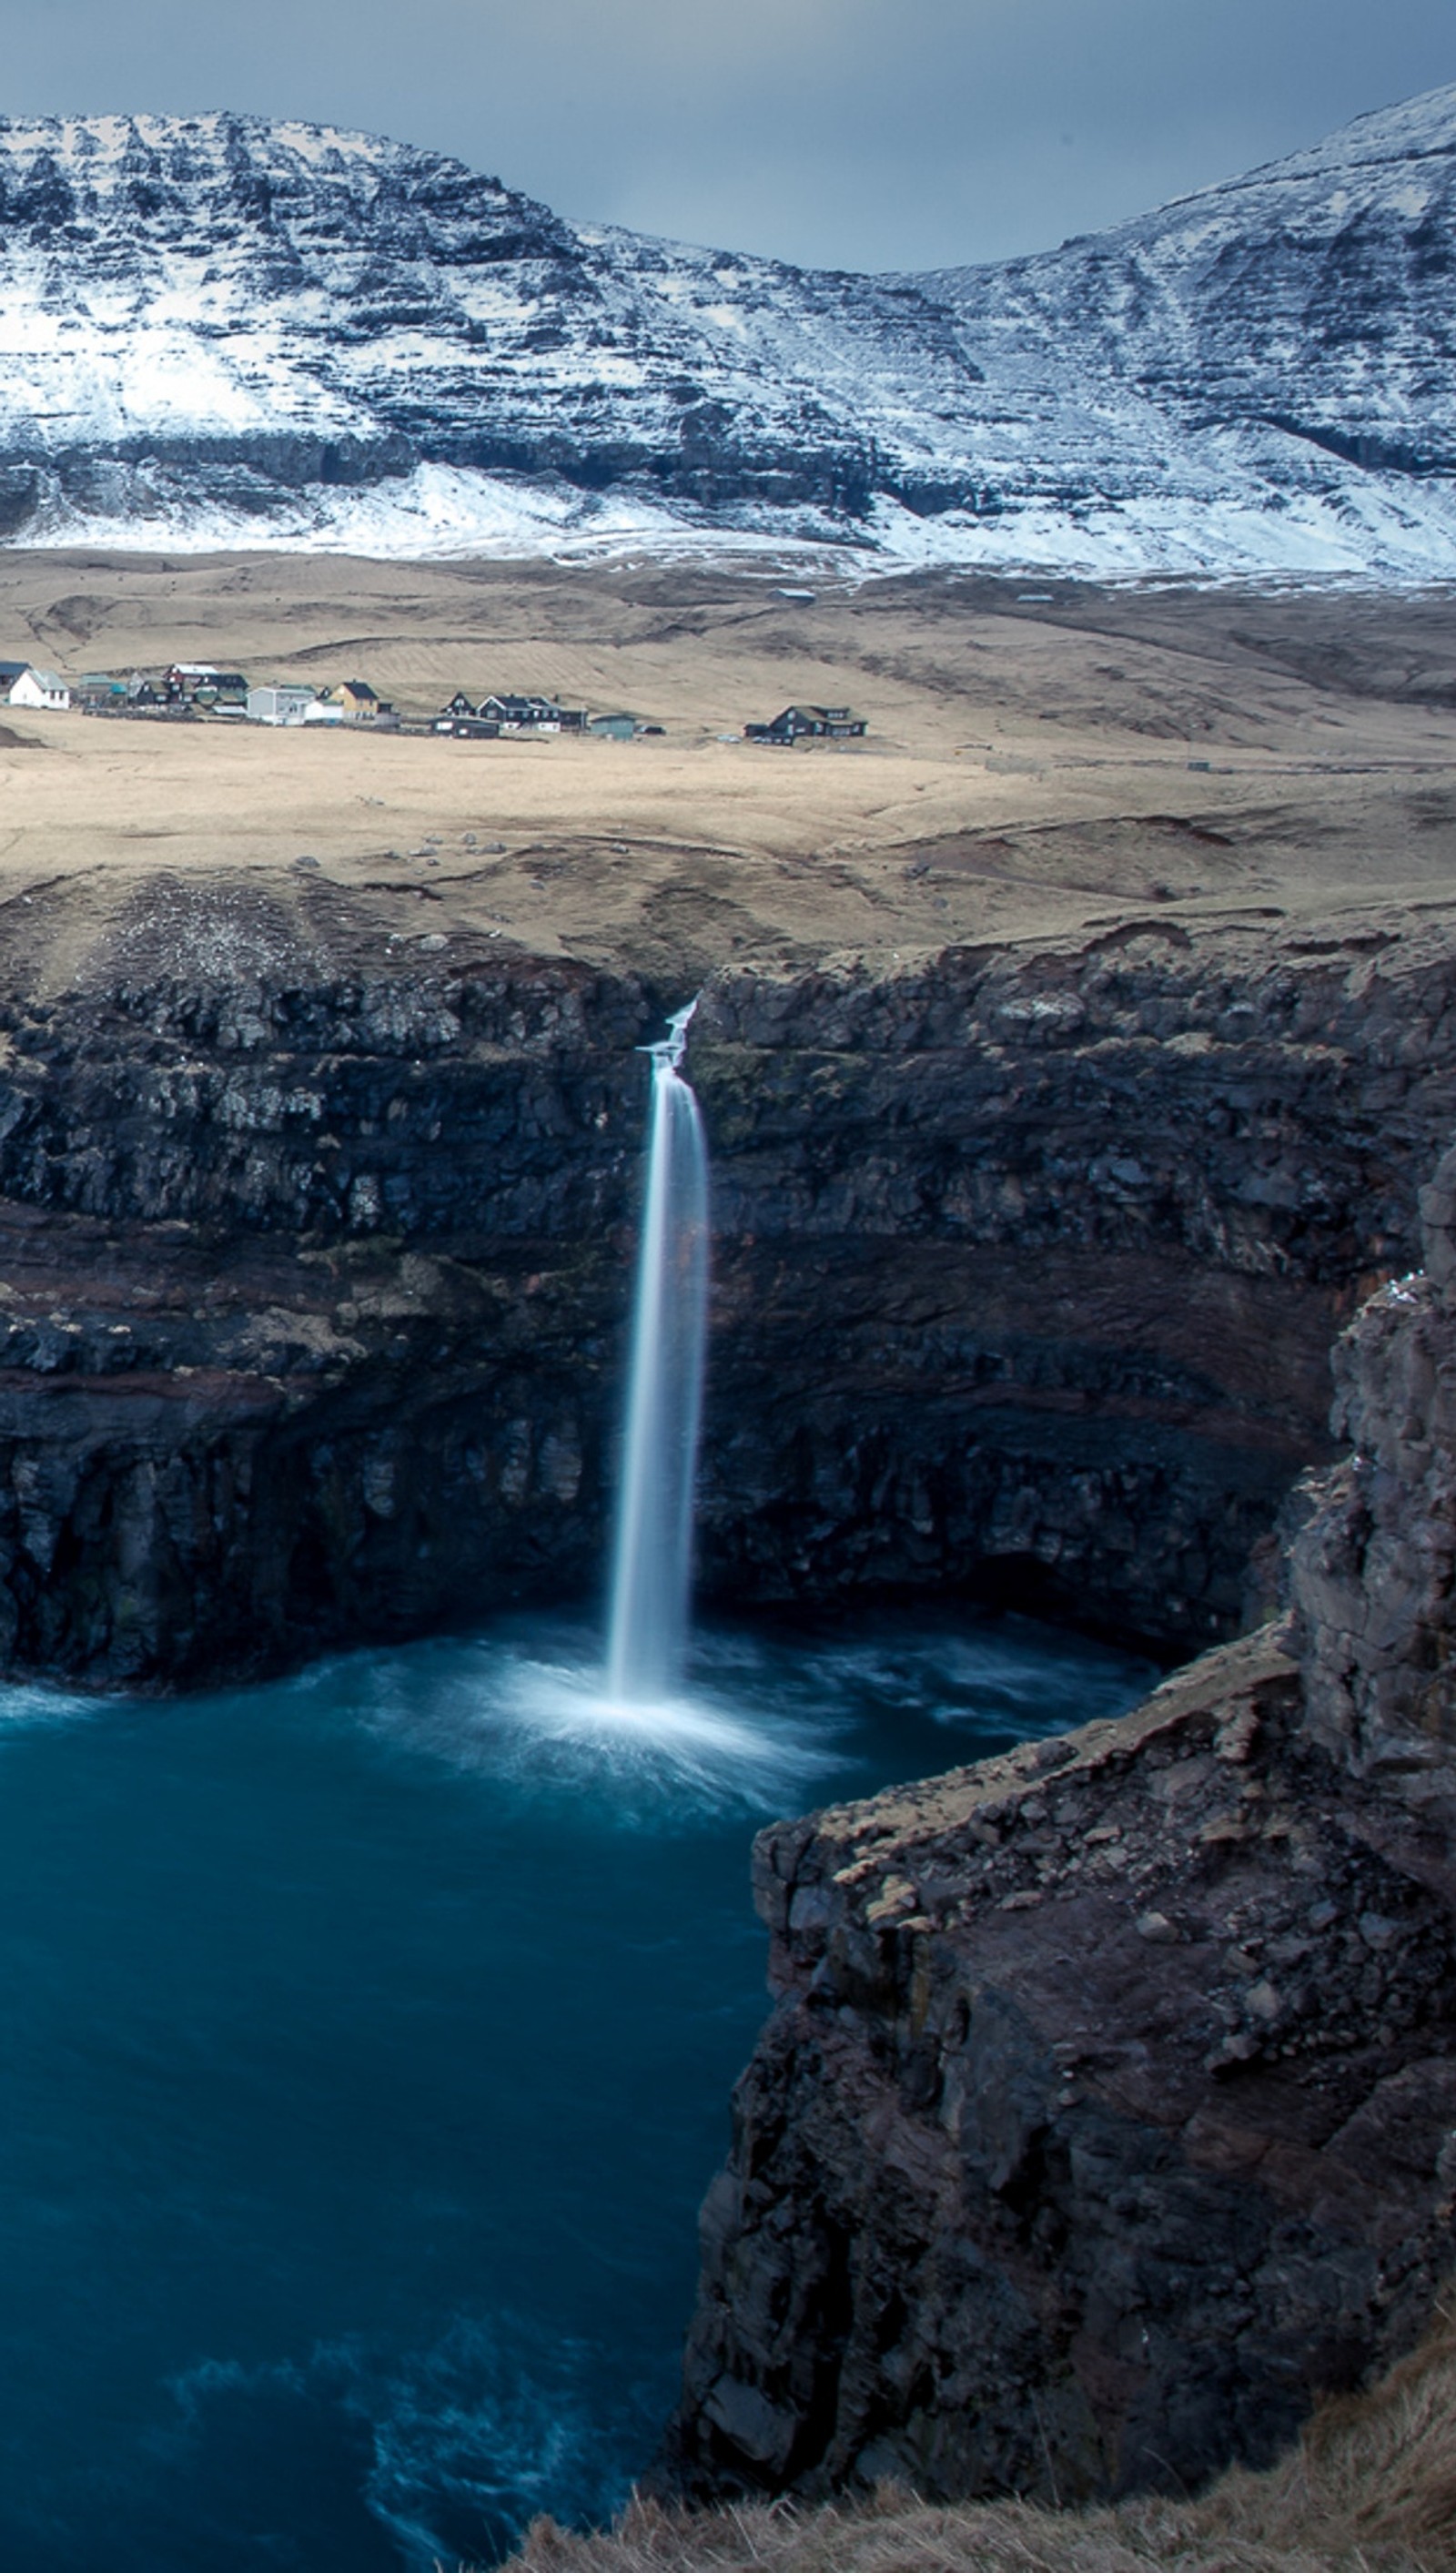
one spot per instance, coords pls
(652, 1566)
(488, 1820)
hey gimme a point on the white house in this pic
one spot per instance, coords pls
(283, 704)
(41, 689)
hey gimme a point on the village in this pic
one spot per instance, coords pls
(200, 691)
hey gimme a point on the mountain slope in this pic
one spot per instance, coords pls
(1312, 297)
(219, 329)
(291, 305)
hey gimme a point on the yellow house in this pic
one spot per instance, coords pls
(356, 700)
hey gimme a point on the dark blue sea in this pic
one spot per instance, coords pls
(367, 2043)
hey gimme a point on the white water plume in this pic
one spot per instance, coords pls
(527, 1708)
(652, 1567)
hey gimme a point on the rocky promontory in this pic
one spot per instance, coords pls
(1107, 2116)
(315, 1240)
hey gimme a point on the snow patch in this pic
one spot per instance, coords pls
(284, 335)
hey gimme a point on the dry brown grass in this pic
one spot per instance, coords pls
(1024, 776)
(1371, 2488)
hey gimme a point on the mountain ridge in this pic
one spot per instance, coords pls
(222, 328)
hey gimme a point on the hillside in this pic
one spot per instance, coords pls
(222, 329)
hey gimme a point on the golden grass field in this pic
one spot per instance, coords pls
(1026, 769)
(1370, 2488)
(1029, 773)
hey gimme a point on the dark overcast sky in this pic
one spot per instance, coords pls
(848, 133)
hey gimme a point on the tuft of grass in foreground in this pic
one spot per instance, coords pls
(1371, 2488)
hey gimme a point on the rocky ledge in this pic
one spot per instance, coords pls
(1108, 2112)
(315, 1241)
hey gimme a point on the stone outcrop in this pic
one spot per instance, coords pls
(1058, 1240)
(1106, 2116)
(315, 1240)
(1374, 1570)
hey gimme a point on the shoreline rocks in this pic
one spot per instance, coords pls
(1107, 2115)
(1106, 2119)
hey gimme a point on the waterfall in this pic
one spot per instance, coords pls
(652, 1563)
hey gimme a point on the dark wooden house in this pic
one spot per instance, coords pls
(809, 723)
(204, 685)
(520, 714)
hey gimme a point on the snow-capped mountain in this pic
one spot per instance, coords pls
(219, 329)
(1246, 343)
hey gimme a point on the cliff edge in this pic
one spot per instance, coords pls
(315, 1247)
(1107, 2116)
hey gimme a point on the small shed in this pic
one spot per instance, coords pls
(613, 728)
(100, 692)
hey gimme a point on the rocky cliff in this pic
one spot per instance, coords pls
(1108, 2112)
(314, 1245)
(1374, 1570)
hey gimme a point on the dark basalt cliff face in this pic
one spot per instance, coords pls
(315, 1253)
(1054, 1244)
(1108, 2115)
(1374, 1569)
(1104, 2120)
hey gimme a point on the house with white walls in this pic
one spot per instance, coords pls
(41, 689)
(280, 704)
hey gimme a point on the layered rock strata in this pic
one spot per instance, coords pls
(1057, 1240)
(315, 1249)
(1108, 2112)
(1373, 1576)
(235, 328)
